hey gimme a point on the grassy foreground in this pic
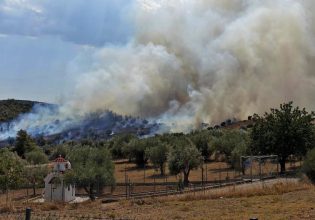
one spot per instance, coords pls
(295, 205)
(279, 200)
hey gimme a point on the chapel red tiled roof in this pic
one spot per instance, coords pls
(60, 159)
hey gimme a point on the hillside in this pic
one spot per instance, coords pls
(98, 125)
(11, 108)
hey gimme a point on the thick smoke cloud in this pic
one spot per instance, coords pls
(205, 61)
(201, 61)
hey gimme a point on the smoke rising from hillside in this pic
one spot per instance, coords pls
(207, 60)
(195, 61)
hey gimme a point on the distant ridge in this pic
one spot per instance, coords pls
(100, 125)
(10, 109)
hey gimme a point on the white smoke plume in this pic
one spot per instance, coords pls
(204, 61)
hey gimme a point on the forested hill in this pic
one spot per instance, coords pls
(96, 125)
(11, 108)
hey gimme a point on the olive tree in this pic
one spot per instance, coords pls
(11, 171)
(231, 143)
(118, 143)
(136, 149)
(157, 154)
(92, 168)
(183, 157)
(37, 168)
(36, 157)
(201, 139)
(60, 150)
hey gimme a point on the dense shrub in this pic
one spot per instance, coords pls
(309, 165)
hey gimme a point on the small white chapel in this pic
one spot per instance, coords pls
(56, 190)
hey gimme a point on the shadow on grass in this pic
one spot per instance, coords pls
(159, 176)
(217, 170)
(135, 168)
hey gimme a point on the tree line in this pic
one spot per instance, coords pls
(285, 131)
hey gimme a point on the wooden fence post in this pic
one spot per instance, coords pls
(206, 173)
(144, 173)
(154, 185)
(220, 175)
(28, 213)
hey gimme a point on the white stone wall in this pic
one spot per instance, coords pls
(58, 192)
(69, 193)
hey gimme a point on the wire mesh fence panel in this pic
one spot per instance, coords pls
(259, 167)
(269, 167)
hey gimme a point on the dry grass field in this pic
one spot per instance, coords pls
(276, 199)
(138, 174)
(213, 171)
(272, 199)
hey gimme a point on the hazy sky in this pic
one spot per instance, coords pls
(40, 40)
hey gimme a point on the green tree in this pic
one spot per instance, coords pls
(202, 141)
(283, 132)
(11, 171)
(158, 155)
(118, 143)
(36, 170)
(92, 168)
(183, 157)
(35, 175)
(24, 143)
(36, 157)
(136, 150)
(231, 143)
(61, 150)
